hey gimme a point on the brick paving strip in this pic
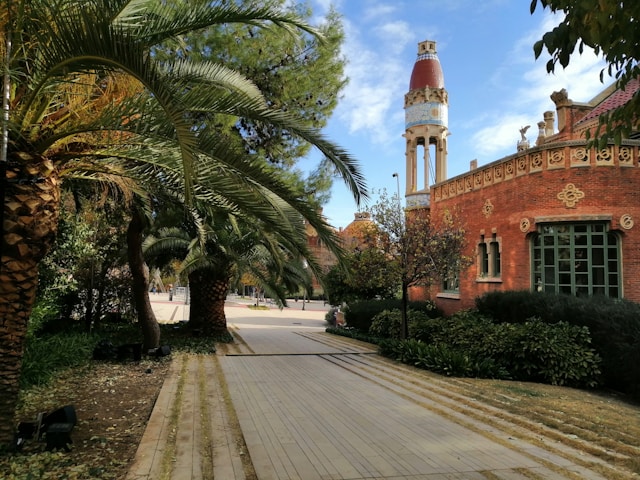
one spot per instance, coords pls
(341, 412)
(192, 432)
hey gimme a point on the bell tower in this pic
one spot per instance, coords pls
(426, 107)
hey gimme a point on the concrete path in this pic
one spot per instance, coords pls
(288, 401)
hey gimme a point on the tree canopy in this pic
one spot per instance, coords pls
(85, 96)
(427, 250)
(610, 28)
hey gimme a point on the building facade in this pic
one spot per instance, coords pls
(555, 216)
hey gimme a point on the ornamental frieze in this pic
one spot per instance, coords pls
(468, 183)
(497, 173)
(579, 157)
(535, 162)
(555, 158)
(522, 165)
(604, 156)
(509, 170)
(477, 180)
(625, 156)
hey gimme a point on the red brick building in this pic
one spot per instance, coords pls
(554, 216)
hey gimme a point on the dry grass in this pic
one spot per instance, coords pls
(596, 430)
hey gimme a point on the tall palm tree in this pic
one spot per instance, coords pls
(86, 92)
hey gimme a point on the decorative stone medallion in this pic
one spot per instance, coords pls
(626, 221)
(570, 195)
(487, 208)
(525, 224)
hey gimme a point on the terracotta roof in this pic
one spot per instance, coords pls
(427, 72)
(613, 101)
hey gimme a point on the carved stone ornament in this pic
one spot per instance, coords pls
(525, 224)
(487, 208)
(570, 195)
(626, 221)
(625, 156)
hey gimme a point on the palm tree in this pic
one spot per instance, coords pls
(227, 246)
(86, 93)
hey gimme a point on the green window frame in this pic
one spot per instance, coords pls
(494, 254)
(581, 259)
(483, 259)
(451, 284)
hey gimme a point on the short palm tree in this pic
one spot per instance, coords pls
(219, 247)
(84, 92)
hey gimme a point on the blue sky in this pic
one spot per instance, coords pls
(494, 83)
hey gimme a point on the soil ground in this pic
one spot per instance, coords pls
(113, 402)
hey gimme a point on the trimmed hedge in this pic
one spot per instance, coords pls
(359, 315)
(614, 326)
(559, 354)
(468, 344)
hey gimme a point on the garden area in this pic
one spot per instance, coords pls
(526, 336)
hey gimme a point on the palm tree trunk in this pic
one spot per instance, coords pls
(209, 289)
(31, 211)
(140, 274)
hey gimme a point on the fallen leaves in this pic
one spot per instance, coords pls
(113, 402)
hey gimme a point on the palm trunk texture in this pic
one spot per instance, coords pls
(31, 195)
(209, 289)
(140, 273)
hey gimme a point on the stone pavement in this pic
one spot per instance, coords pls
(288, 401)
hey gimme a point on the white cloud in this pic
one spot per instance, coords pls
(503, 135)
(376, 86)
(526, 91)
(377, 11)
(394, 36)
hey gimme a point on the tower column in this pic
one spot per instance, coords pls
(441, 160)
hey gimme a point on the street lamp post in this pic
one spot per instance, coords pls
(304, 288)
(397, 177)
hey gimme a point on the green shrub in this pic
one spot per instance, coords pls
(558, 354)
(355, 334)
(441, 359)
(386, 324)
(359, 315)
(614, 327)
(470, 344)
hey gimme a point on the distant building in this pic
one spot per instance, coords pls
(352, 237)
(554, 217)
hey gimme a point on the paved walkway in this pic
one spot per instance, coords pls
(288, 401)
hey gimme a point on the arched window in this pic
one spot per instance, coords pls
(576, 258)
(489, 263)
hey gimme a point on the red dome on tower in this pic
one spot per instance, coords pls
(427, 71)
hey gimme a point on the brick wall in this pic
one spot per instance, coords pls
(506, 198)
